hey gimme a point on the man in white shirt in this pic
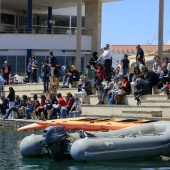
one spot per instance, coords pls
(107, 60)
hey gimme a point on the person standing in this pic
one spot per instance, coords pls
(93, 59)
(140, 54)
(34, 70)
(45, 73)
(29, 70)
(53, 62)
(11, 97)
(125, 65)
(6, 69)
(107, 60)
(90, 74)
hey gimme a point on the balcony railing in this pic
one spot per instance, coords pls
(38, 29)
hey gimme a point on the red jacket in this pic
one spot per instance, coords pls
(100, 73)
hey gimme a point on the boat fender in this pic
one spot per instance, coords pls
(31, 145)
(132, 135)
(121, 136)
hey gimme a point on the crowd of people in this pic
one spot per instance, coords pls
(44, 109)
(108, 84)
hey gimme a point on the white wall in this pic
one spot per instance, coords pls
(43, 41)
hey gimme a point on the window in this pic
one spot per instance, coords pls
(12, 62)
(7, 19)
(62, 20)
(2, 59)
(70, 61)
(74, 21)
(61, 60)
(21, 64)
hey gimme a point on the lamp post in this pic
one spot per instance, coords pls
(79, 30)
(160, 29)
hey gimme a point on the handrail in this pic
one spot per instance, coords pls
(38, 29)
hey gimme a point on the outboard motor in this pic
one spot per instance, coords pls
(55, 141)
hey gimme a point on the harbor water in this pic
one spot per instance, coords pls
(11, 159)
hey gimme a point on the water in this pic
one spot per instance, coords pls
(11, 159)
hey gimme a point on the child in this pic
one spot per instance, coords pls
(48, 107)
(118, 92)
(54, 84)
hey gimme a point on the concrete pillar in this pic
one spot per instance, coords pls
(29, 51)
(93, 12)
(0, 12)
(160, 29)
(29, 21)
(79, 31)
(50, 21)
(29, 54)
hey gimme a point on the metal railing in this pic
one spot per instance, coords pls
(38, 29)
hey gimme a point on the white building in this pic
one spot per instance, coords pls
(118, 52)
(71, 29)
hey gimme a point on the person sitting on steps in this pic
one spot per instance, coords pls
(142, 88)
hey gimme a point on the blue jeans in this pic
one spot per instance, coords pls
(131, 74)
(64, 81)
(63, 112)
(108, 65)
(46, 83)
(125, 71)
(165, 88)
(33, 76)
(70, 80)
(75, 113)
(54, 112)
(28, 112)
(8, 111)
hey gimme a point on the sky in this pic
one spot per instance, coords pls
(130, 22)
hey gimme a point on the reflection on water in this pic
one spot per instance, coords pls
(10, 158)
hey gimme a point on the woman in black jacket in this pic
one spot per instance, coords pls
(11, 97)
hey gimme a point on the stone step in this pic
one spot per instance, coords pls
(130, 99)
(119, 110)
(157, 113)
(155, 102)
(31, 89)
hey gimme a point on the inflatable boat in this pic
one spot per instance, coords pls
(146, 140)
(87, 124)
